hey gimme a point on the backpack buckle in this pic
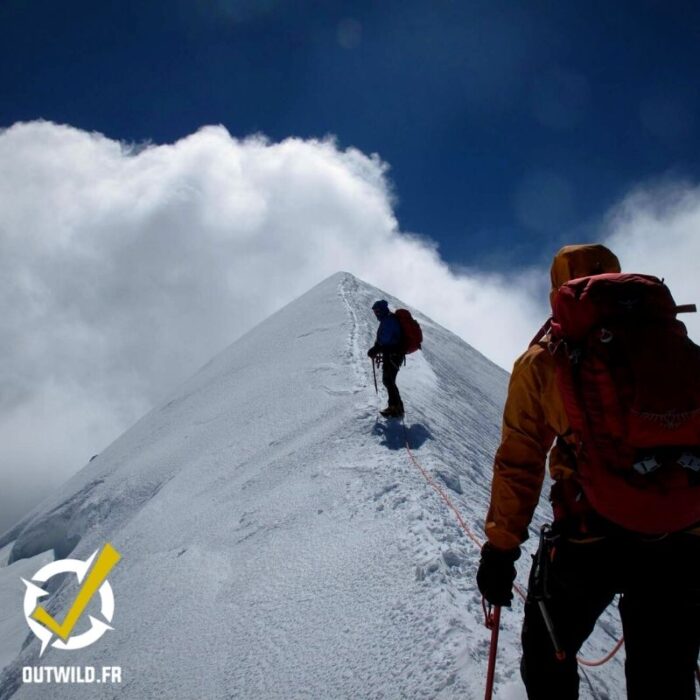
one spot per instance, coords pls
(605, 335)
(647, 465)
(688, 460)
(574, 355)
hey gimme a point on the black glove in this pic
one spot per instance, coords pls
(373, 351)
(496, 574)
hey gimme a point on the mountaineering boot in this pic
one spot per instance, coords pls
(392, 412)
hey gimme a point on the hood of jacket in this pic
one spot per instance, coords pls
(574, 261)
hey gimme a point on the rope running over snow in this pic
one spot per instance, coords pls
(470, 534)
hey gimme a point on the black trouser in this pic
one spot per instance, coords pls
(660, 610)
(391, 364)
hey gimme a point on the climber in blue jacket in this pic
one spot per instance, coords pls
(387, 351)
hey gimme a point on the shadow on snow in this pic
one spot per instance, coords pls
(395, 434)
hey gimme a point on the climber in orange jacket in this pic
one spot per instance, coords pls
(589, 559)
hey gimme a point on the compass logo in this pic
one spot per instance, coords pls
(92, 577)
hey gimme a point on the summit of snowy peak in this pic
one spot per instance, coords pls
(276, 539)
(270, 529)
(340, 276)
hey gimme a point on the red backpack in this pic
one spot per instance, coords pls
(411, 333)
(629, 377)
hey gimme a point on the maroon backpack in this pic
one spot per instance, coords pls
(629, 377)
(411, 333)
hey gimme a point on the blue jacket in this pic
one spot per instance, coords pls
(389, 334)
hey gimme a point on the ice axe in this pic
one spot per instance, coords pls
(540, 584)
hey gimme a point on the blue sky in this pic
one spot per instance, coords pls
(510, 127)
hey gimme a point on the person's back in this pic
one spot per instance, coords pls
(589, 559)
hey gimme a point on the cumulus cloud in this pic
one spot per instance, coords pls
(126, 268)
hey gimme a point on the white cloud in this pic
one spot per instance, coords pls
(656, 231)
(123, 270)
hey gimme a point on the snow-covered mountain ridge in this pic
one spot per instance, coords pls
(276, 540)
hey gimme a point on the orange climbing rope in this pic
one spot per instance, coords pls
(606, 658)
(470, 534)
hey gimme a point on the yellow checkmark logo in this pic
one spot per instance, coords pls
(106, 561)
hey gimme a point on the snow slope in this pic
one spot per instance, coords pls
(13, 628)
(277, 541)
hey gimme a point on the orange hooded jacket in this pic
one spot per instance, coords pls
(534, 416)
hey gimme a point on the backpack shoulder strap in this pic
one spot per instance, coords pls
(542, 332)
